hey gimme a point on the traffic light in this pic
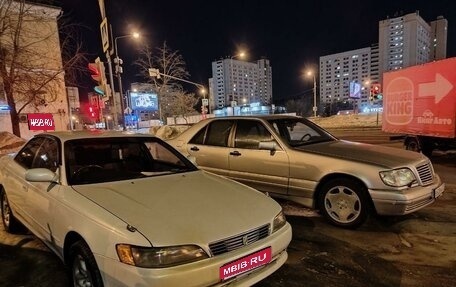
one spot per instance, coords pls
(118, 65)
(91, 112)
(376, 92)
(97, 72)
(371, 94)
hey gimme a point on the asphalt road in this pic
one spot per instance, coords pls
(413, 250)
(418, 249)
(408, 251)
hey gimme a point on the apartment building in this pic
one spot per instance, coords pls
(337, 71)
(409, 40)
(237, 82)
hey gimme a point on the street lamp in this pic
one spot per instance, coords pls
(233, 85)
(119, 71)
(311, 73)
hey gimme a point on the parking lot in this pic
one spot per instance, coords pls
(413, 250)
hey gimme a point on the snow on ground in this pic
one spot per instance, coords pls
(352, 120)
(9, 142)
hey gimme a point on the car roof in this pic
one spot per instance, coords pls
(71, 135)
(264, 117)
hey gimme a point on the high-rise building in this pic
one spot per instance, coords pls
(409, 40)
(374, 64)
(403, 41)
(439, 30)
(236, 82)
(337, 71)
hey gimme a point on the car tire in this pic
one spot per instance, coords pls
(412, 145)
(344, 202)
(83, 267)
(10, 223)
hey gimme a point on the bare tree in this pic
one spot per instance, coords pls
(170, 63)
(298, 106)
(31, 68)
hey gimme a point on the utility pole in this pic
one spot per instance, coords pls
(111, 82)
(106, 34)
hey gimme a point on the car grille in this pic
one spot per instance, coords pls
(419, 204)
(238, 241)
(425, 173)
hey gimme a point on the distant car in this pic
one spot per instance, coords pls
(290, 157)
(129, 210)
(345, 112)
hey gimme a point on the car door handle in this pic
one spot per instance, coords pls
(194, 148)
(235, 153)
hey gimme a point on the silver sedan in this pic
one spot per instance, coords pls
(290, 157)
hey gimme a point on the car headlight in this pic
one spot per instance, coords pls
(279, 221)
(397, 177)
(159, 257)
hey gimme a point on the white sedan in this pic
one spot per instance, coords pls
(129, 210)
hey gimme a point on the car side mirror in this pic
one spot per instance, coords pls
(268, 145)
(41, 175)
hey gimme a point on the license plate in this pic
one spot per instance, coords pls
(439, 190)
(245, 263)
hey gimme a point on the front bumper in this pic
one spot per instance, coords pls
(200, 273)
(393, 202)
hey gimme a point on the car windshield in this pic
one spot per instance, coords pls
(98, 160)
(299, 131)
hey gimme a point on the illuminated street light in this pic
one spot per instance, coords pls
(310, 74)
(119, 71)
(203, 92)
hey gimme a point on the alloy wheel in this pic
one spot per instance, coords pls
(342, 204)
(81, 273)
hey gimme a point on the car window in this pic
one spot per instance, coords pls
(199, 137)
(218, 133)
(163, 155)
(27, 153)
(249, 133)
(113, 159)
(297, 132)
(47, 155)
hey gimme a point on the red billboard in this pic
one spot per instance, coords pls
(421, 100)
(41, 122)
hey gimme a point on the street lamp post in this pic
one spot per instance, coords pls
(315, 96)
(119, 71)
(111, 81)
(310, 73)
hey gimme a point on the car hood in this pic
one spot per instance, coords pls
(186, 208)
(386, 157)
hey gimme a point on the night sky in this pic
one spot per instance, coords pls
(291, 34)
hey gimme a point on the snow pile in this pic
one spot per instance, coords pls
(167, 132)
(9, 142)
(343, 121)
